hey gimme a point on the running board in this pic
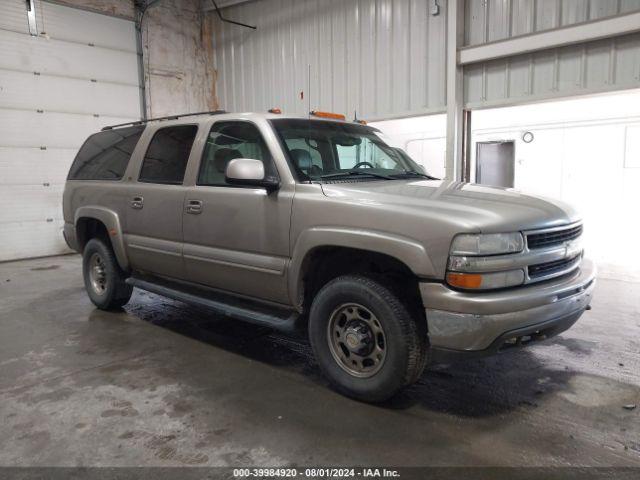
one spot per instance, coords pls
(227, 305)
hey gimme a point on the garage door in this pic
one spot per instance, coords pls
(76, 75)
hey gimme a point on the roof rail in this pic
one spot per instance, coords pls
(170, 117)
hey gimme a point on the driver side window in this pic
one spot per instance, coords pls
(348, 156)
(227, 141)
(366, 152)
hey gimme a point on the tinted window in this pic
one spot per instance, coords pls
(167, 155)
(105, 155)
(226, 141)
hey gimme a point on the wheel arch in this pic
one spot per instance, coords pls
(321, 254)
(94, 221)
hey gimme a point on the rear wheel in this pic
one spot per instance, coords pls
(365, 339)
(104, 280)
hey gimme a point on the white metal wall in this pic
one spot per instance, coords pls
(423, 138)
(380, 57)
(386, 58)
(56, 89)
(605, 65)
(491, 20)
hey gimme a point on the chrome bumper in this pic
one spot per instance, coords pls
(474, 322)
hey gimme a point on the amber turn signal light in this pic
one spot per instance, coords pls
(464, 280)
(334, 116)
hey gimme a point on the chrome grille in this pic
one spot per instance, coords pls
(553, 237)
(550, 268)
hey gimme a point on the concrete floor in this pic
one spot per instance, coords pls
(162, 383)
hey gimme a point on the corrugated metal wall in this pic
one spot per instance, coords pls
(380, 57)
(490, 20)
(386, 58)
(604, 65)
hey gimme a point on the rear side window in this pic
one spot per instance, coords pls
(167, 155)
(105, 155)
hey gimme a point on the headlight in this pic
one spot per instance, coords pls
(471, 264)
(487, 244)
(485, 281)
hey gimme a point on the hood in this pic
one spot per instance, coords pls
(472, 207)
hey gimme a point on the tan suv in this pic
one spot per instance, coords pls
(318, 223)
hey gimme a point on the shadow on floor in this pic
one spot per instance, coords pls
(476, 388)
(574, 345)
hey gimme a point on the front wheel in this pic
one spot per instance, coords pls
(365, 339)
(104, 280)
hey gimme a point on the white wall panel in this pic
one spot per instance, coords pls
(22, 90)
(13, 17)
(69, 24)
(55, 57)
(30, 203)
(33, 166)
(80, 26)
(632, 147)
(31, 239)
(600, 66)
(604, 65)
(380, 57)
(56, 89)
(423, 138)
(23, 128)
(489, 20)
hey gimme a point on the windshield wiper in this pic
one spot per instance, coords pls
(414, 173)
(355, 172)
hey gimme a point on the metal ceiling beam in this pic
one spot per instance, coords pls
(560, 37)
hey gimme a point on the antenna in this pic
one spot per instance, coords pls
(309, 90)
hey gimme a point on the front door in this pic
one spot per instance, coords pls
(155, 203)
(236, 238)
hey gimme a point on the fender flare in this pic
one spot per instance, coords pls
(111, 220)
(406, 250)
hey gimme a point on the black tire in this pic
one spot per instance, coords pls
(404, 345)
(110, 292)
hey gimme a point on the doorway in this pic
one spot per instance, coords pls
(495, 163)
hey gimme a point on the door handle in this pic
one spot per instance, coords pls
(194, 207)
(137, 203)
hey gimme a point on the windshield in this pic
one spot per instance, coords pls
(324, 151)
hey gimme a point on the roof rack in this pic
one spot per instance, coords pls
(170, 117)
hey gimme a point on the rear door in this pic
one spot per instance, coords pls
(237, 238)
(155, 203)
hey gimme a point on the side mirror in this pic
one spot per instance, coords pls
(249, 172)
